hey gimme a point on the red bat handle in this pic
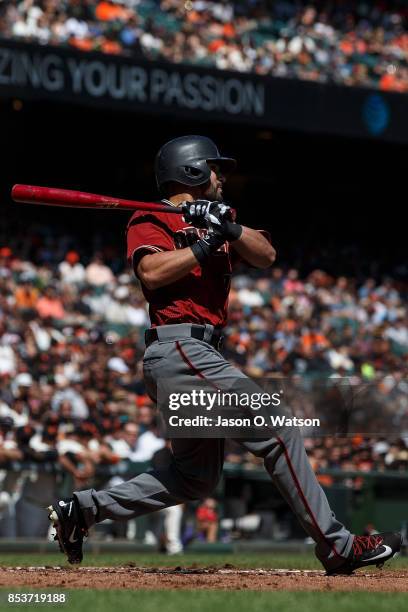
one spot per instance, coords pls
(50, 196)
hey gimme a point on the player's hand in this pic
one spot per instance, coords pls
(206, 214)
(228, 230)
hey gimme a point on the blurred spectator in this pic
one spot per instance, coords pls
(148, 444)
(361, 44)
(49, 305)
(26, 295)
(207, 520)
(71, 270)
(97, 273)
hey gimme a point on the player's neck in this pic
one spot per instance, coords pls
(179, 198)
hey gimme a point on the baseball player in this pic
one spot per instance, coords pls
(184, 264)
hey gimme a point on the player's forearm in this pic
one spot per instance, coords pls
(161, 269)
(254, 248)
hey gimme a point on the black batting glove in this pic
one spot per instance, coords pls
(206, 246)
(206, 214)
(230, 230)
(217, 235)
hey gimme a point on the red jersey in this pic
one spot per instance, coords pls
(199, 297)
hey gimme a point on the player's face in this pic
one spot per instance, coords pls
(214, 189)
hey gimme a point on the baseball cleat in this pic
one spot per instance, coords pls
(69, 532)
(370, 550)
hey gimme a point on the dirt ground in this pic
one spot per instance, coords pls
(227, 578)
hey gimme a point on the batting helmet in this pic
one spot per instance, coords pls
(184, 160)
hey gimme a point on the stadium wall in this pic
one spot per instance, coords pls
(30, 71)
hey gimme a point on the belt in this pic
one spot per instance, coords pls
(206, 333)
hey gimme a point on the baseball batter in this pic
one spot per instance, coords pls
(184, 264)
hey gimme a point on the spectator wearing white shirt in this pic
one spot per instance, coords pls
(65, 392)
(147, 444)
(124, 442)
(120, 311)
(71, 270)
(98, 274)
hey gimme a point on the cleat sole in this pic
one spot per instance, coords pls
(53, 517)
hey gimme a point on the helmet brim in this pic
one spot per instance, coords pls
(226, 164)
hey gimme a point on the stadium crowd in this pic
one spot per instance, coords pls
(362, 43)
(71, 384)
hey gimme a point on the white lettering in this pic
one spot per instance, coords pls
(51, 73)
(234, 96)
(137, 80)
(254, 98)
(116, 81)
(208, 88)
(123, 81)
(76, 70)
(95, 78)
(259, 421)
(158, 84)
(174, 91)
(192, 96)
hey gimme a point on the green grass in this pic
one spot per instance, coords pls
(243, 560)
(227, 601)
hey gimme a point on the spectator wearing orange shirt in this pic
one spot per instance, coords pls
(216, 44)
(25, 295)
(313, 339)
(111, 11)
(50, 305)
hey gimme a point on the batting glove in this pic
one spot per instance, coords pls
(206, 214)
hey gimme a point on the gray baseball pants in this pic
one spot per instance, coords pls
(197, 463)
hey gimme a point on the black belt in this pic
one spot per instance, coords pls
(197, 332)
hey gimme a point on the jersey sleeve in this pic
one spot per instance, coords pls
(146, 233)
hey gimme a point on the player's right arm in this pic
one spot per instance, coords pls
(150, 250)
(161, 269)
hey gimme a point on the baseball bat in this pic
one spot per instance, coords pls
(51, 196)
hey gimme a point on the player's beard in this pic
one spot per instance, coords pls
(213, 193)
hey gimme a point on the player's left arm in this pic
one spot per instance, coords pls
(255, 248)
(251, 245)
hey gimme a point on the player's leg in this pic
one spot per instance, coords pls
(287, 463)
(193, 473)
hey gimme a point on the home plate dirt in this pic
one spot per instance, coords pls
(226, 578)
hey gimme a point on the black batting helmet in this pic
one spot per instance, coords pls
(184, 160)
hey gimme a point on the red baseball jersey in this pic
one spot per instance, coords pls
(199, 297)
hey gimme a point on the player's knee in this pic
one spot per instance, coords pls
(199, 488)
(274, 446)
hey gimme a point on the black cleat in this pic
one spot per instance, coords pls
(65, 517)
(370, 550)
